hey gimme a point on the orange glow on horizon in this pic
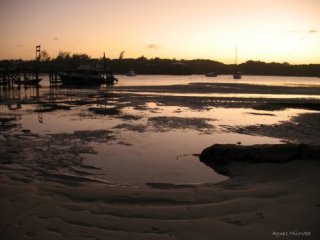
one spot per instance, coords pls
(287, 31)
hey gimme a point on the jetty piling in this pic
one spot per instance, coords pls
(54, 78)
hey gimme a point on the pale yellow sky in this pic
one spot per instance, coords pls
(280, 31)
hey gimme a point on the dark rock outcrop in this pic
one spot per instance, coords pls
(225, 153)
(219, 156)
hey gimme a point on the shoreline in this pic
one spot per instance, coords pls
(47, 191)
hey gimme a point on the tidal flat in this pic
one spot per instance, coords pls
(122, 162)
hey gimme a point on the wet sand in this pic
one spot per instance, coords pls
(216, 87)
(259, 201)
(47, 192)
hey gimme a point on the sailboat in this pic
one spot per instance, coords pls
(131, 73)
(236, 75)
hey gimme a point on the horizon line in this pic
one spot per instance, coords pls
(173, 59)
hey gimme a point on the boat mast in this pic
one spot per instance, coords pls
(237, 75)
(104, 61)
(236, 57)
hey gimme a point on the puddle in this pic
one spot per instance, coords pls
(165, 157)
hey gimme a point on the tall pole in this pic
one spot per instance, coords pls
(236, 57)
(38, 50)
(104, 61)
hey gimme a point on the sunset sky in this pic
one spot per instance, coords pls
(280, 31)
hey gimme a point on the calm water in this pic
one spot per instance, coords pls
(160, 80)
(144, 80)
(144, 151)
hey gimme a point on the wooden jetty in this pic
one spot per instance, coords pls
(19, 77)
(54, 78)
(8, 77)
(18, 74)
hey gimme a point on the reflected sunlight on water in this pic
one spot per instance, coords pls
(162, 80)
(229, 95)
(153, 141)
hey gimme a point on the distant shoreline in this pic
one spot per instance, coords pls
(157, 66)
(197, 74)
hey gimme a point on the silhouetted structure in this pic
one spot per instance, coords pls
(20, 73)
(66, 62)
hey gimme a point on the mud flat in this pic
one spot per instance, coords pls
(303, 128)
(272, 191)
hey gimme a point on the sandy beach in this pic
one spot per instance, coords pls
(262, 201)
(160, 120)
(49, 191)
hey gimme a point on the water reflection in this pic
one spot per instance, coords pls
(12, 97)
(229, 95)
(148, 135)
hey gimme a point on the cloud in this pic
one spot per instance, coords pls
(312, 31)
(56, 39)
(19, 45)
(302, 32)
(154, 46)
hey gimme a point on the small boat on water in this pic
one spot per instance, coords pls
(211, 74)
(237, 75)
(131, 73)
(86, 75)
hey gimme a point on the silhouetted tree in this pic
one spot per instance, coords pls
(121, 55)
(44, 56)
(66, 61)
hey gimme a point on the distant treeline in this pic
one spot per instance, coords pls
(70, 62)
